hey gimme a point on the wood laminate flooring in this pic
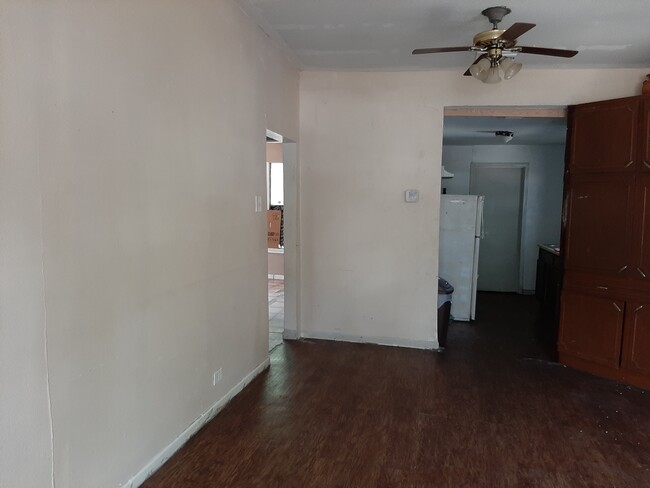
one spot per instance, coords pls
(489, 411)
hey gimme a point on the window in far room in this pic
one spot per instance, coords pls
(276, 184)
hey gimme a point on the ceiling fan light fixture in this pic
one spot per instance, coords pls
(504, 136)
(510, 68)
(493, 75)
(480, 70)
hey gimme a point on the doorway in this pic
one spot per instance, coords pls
(282, 182)
(500, 267)
(275, 237)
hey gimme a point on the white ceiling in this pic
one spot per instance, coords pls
(380, 34)
(471, 131)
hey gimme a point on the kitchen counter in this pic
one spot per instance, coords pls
(548, 287)
(552, 248)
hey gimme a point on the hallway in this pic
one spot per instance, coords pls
(490, 411)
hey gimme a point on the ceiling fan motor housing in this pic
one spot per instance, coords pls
(496, 14)
(492, 37)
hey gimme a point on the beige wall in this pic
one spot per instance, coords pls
(25, 427)
(276, 263)
(369, 260)
(132, 145)
(274, 152)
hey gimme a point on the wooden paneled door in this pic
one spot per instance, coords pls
(641, 238)
(637, 338)
(599, 223)
(644, 136)
(604, 135)
(592, 327)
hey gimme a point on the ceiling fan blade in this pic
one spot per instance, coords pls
(515, 30)
(431, 50)
(544, 51)
(467, 73)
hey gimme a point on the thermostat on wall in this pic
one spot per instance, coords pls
(411, 196)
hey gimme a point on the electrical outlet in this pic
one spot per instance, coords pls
(216, 377)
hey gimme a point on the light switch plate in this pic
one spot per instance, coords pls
(411, 196)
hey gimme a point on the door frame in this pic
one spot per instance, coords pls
(291, 171)
(524, 199)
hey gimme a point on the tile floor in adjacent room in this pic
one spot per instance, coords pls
(276, 312)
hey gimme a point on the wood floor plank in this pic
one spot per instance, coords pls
(490, 411)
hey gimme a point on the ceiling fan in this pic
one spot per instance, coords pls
(498, 48)
(504, 136)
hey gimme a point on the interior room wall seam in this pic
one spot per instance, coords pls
(45, 346)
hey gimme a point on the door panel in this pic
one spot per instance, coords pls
(591, 327)
(645, 135)
(498, 264)
(599, 223)
(642, 228)
(603, 136)
(637, 338)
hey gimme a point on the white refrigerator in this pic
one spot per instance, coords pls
(461, 226)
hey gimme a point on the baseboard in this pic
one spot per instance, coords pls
(383, 341)
(208, 415)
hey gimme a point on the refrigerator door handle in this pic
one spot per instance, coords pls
(479, 217)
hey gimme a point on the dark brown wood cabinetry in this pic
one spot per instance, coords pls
(605, 305)
(548, 286)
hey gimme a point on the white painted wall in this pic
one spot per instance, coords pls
(25, 427)
(132, 143)
(369, 260)
(544, 197)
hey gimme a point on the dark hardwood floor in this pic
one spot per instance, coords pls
(490, 411)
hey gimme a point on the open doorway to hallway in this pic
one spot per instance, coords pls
(275, 236)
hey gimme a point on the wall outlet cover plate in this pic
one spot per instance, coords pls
(411, 196)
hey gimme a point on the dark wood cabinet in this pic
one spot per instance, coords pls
(599, 219)
(605, 304)
(604, 135)
(637, 346)
(641, 239)
(644, 137)
(593, 327)
(548, 287)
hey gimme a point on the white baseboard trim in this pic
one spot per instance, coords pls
(383, 341)
(208, 415)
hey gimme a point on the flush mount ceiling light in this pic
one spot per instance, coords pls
(504, 136)
(498, 49)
